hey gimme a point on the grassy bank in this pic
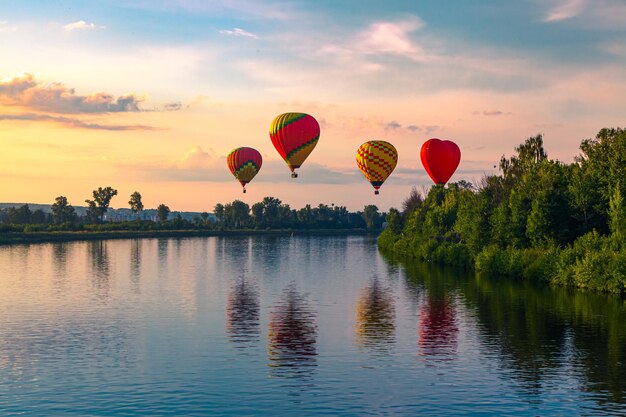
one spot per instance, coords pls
(42, 237)
(593, 262)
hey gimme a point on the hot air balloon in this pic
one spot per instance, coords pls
(440, 159)
(376, 159)
(294, 136)
(244, 163)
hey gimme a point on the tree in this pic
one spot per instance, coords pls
(93, 213)
(257, 214)
(163, 212)
(62, 211)
(413, 201)
(237, 213)
(135, 202)
(219, 213)
(394, 221)
(370, 215)
(38, 217)
(617, 214)
(20, 215)
(205, 216)
(102, 198)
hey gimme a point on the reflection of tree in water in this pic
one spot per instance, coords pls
(438, 330)
(292, 336)
(135, 262)
(242, 313)
(375, 316)
(541, 333)
(100, 265)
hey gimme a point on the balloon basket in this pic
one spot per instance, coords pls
(294, 175)
(244, 190)
(376, 192)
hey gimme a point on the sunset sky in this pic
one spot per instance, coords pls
(151, 95)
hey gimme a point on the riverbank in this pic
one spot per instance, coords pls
(593, 262)
(12, 238)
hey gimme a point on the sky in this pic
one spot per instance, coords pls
(151, 95)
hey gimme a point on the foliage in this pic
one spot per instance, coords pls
(540, 220)
(101, 201)
(163, 212)
(62, 211)
(135, 202)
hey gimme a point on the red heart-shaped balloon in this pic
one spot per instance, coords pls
(440, 159)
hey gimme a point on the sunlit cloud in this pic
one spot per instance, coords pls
(71, 122)
(383, 38)
(238, 32)
(25, 91)
(81, 25)
(566, 9)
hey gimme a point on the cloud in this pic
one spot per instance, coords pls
(25, 91)
(383, 38)
(492, 113)
(198, 165)
(71, 122)
(81, 25)
(238, 32)
(173, 106)
(393, 125)
(566, 9)
(196, 158)
(426, 129)
(391, 38)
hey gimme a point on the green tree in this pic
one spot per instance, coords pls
(205, 217)
(219, 214)
(93, 212)
(413, 201)
(370, 215)
(257, 214)
(394, 221)
(62, 211)
(38, 217)
(163, 212)
(617, 214)
(20, 215)
(237, 213)
(135, 202)
(102, 199)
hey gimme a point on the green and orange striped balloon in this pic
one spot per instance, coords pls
(244, 163)
(294, 136)
(376, 159)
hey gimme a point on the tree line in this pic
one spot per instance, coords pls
(541, 219)
(270, 213)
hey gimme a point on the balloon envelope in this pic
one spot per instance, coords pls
(376, 159)
(440, 159)
(244, 163)
(294, 136)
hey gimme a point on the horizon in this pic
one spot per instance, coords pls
(152, 96)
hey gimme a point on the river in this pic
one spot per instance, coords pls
(293, 326)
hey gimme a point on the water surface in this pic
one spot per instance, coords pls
(300, 325)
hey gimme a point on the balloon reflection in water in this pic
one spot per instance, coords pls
(438, 329)
(375, 318)
(292, 336)
(242, 313)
